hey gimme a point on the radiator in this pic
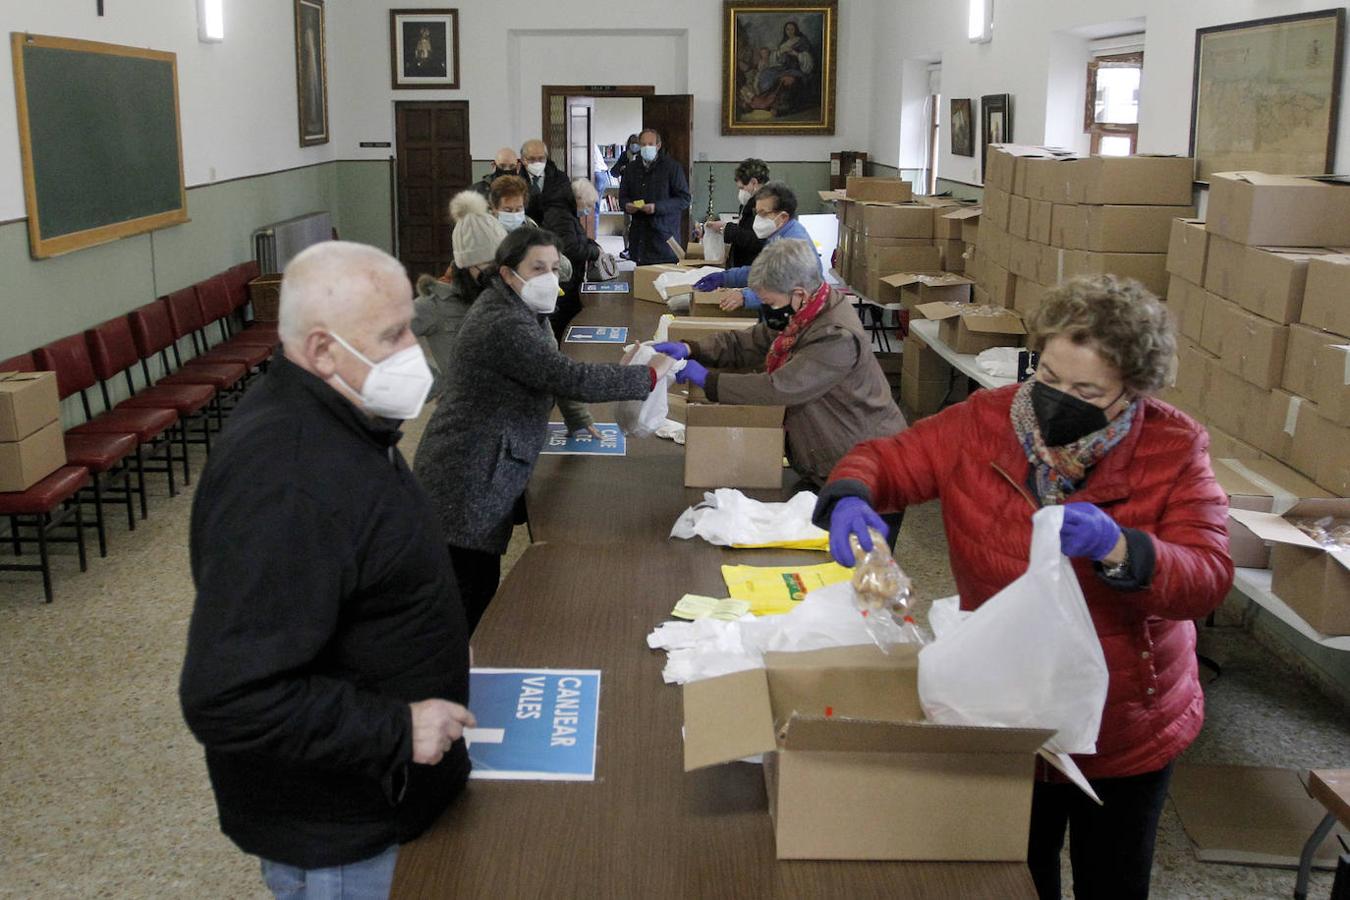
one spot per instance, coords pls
(276, 244)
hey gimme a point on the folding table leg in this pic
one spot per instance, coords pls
(1305, 860)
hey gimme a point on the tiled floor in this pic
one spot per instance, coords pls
(103, 791)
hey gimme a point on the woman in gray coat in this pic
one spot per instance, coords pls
(486, 433)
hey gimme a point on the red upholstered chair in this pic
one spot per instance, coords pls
(213, 296)
(153, 333)
(185, 313)
(154, 428)
(113, 352)
(45, 507)
(106, 456)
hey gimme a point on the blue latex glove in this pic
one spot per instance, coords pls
(693, 371)
(1087, 531)
(673, 349)
(710, 282)
(850, 516)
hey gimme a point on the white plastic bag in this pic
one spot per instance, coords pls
(1029, 657)
(714, 245)
(730, 519)
(667, 280)
(641, 418)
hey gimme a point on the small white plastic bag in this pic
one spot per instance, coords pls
(641, 418)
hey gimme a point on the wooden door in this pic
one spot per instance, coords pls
(672, 115)
(433, 165)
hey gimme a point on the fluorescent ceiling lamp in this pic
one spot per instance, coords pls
(981, 27)
(211, 20)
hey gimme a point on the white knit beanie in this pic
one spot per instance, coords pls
(476, 238)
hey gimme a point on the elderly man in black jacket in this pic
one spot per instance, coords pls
(549, 187)
(655, 192)
(327, 659)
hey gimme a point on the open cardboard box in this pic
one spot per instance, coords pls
(914, 288)
(1312, 580)
(968, 328)
(694, 328)
(644, 282)
(707, 305)
(1262, 485)
(851, 769)
(733, 446)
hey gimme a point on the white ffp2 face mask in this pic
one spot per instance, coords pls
(743, 196)
(764, 226)
(396, 386)
(540, 293)
(535, 168)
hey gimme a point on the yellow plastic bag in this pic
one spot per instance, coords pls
(771, 590)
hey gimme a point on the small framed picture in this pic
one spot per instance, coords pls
(996, 110)
(424, 48)
(963, 130)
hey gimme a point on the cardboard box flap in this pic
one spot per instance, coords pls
(1264, 178)
(939, 311)
(835, 734)
(1001, 323)
(1258, 478)
(726, 719)
(930, 279)
(972, 212)
(1280, 530)
(716, 415)
(13, 377)
(1030, 150)
(857, 682)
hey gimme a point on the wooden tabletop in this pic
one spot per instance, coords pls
(1331, 788)
(601, 576)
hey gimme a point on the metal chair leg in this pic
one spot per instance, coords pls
(43, 557)
(1305, 859)
(140, 479)
(98, 517)
(14, 538)
(79, 536)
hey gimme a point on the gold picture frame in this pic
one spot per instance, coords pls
(778, 66)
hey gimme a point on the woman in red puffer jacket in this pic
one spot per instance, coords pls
(1145, 526)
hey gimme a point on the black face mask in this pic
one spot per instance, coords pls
(1064, 418)
(777, 318)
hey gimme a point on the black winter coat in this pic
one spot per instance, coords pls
(742, 244)
(662, 184)
(556, 193)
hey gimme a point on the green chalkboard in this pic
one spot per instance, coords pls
(102, 150)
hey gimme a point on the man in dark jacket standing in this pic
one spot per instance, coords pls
(655, 192)
(327, 659)
(504, 163)
(549, 187)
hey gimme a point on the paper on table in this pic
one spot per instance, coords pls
(778, 589)
(697, 606)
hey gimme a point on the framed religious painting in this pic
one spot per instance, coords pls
(424, 48)
(996, 116)
(311, 72)
(962, 128)
(778, 66)
(1266, 95)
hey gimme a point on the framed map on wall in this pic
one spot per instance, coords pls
(1266, 95)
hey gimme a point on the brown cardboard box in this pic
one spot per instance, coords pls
(1324, 299)
(927, 288)
(970, 230)
(1223, 270)
(996, 210)
(1278, 210)
(889, 190)
(1019, 216)
(951, 256)
(644, 282)
(1022, 257)
(920, 362)
(28, 401)
(1263, 486)
(844, 253)
(707, 305)
(844, 744)
(922, 397)
(996, 246)
(25, 462)
(1000, 167)
(1049, 179)
(1319, 448)
(1186, 302)
(1247, 345)
(692, 328)
(1311, 581)
(1236, 406)
(1330, 386)
(1149, 269)
(1187, 250)
(1034, 261)
(264, 295)
(967, 328)
(1192, 377)
(841, 209)
(733, 446)
(1142, 180)
(1303, 358)
(1027, 295)
(1272, 281)
(886, 261)
(897, 220)
(948, 221)
(1040, 221)
(1001, 285)
(1115, 229)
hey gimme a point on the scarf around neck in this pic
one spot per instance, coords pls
(1059, 471)
(783, 344)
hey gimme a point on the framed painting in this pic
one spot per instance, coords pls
(962, 128)
(311, 72)
(424, 48)
(996, 115)
(1266, 94)
(778, 66)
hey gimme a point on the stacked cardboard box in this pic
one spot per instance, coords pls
(31, 442)
(1049, 216)
(1259, 295)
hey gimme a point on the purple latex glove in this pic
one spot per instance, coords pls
(850, 516)
(673, 349)
(710, 282)
(1087, 531)
(693, 371)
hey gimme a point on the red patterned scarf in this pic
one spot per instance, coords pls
(783, 344)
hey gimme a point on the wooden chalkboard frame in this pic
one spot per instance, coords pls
(54, 246)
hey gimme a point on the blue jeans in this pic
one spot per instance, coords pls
(369, 879)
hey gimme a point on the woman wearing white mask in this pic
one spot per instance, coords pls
(482, 441)
(743, 245)
(775, 220)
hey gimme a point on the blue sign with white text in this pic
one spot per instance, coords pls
(596, 334)
(534, 724)
(610, 443)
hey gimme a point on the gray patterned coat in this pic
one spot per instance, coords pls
(486, 433)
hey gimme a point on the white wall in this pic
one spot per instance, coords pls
(236, 99)
(1028, 58)
(509, 48)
